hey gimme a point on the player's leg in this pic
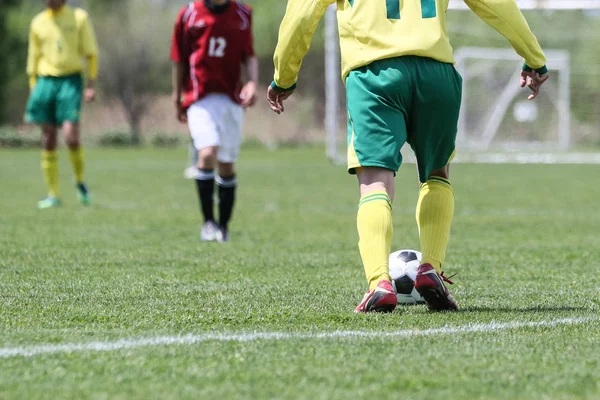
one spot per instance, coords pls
(376, 130)
(204, 131)
(70, 131)
(226, 184)
(68, 110)
(432, 135)
(374, 222)
(435, 210)
(41, 110)
(205, 186)
(50, 166)
(231, 139)
(192, 170)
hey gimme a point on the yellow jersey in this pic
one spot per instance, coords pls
(372, 30)
(58, 40)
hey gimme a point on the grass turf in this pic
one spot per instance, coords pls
(524, 243)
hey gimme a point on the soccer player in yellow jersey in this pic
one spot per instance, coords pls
(401, 86)
(59, 39)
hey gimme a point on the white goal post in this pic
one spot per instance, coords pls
(558, 60)
(335, 130)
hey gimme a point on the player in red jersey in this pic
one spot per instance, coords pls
(211, 43)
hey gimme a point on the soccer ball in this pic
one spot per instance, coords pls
(403, 270)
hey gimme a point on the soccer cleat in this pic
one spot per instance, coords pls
(190, 172)
(430, 286)
(85, 197)
(222, 235)
(49, 202)
(381, 299)
(208, 232)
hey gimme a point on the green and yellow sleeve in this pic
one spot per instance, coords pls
(506, 18)
(89, 47)
(295, 35)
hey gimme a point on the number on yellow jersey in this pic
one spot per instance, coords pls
(428, 8)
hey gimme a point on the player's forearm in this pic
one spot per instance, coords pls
(295, 35)
(32, 68)
(252, 69)
(178, 71)
(32, 71)
(506, 18)
(32, 59)
(92, 64)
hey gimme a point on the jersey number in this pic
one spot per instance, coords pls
(428, 8)
(216, 47)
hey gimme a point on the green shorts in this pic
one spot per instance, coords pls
(55, 100)
(403, 99)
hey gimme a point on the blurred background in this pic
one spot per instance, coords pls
(134, 109)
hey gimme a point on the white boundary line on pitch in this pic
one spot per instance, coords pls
(191, 339)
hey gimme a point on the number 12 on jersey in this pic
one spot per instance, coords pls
(428, 8)
(216, 47)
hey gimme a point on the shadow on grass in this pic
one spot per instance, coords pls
(536, 309)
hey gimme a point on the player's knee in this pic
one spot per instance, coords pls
(372, 179)
(49, 143)
(226, 170)
(71, 134)
(49, 134)
(443, 172)
(369, 175)
(73, 142)
(207, 157)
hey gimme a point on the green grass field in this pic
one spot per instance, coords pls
(106, 289)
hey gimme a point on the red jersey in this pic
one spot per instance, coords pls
(213, 46)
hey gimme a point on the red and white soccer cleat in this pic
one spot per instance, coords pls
(430, 286)
(381, 299)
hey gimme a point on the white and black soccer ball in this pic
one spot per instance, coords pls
(403, 270)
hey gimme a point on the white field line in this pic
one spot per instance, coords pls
(191, 339)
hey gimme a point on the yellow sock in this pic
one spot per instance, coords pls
(50, 172)
(374, 223)
(435, 210)
(77, 163)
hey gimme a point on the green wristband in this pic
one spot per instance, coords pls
(282, 90)
(543, 70)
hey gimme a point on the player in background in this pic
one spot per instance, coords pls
(401, 86)
(59, 39)
(212, 41)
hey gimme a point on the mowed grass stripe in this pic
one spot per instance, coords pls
(191, 339)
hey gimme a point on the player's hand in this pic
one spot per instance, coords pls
(248, 94)
(276, 99)
(180, 113)
(89, 95)
(533, 81)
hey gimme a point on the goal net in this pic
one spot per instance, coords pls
(495, 112)
(497, 122)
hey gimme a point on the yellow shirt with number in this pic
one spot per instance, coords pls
(372, 30)
(58, 41)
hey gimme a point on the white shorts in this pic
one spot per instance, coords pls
(216, 120)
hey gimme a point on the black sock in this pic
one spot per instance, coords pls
(205, 183)
(226, 198)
